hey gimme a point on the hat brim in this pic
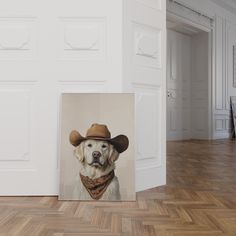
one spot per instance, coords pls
(120, 142)
(76, 138)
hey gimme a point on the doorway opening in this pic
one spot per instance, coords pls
(188, 81)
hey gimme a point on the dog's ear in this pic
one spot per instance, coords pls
(79, 152)
(113, 154)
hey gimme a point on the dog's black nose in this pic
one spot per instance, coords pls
(96, 154)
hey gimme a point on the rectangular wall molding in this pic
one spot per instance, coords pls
(219, 82)
(82, 38)
(155, 4)
(234, 66)
(81, 86)
(18, 37)
(14, 125)
(148, 102)
(147, 41)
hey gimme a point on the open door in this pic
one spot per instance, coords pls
(145, 74)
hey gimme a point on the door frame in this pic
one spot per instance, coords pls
(211, 63)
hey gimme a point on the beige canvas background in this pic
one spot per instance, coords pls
(79, 112)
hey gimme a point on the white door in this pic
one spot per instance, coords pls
(178, 86)
(49, 47)
(145, 74)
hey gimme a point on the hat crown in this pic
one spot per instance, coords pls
(99, 131)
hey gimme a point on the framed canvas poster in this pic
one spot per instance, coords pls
(97, 147)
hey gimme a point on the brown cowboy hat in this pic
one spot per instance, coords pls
(100, 132)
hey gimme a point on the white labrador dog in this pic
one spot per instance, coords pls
(97, 162)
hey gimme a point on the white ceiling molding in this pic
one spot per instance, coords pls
(182, 10)
(229, 5)
(182, 28)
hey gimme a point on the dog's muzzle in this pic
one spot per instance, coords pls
(96, 156)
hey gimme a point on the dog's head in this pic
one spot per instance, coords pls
(96, 153)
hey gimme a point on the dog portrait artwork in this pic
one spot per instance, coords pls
(97, 147)
(97, 154)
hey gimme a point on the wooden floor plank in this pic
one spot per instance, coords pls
(198, 200)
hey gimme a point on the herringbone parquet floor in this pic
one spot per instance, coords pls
(199, 200)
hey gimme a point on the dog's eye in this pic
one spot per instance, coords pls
(104, 146)
(89, 145)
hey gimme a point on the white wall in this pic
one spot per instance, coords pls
(76, 46)
(42, 54)
(223, 37)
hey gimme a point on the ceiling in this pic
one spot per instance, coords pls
(229, 5)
